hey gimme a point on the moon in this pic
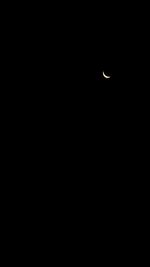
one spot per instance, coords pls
(105, 76)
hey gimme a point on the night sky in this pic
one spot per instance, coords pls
(77, 46)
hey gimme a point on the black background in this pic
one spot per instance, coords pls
(57, 54)
(75, 43)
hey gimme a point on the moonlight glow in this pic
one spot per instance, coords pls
(105, 76)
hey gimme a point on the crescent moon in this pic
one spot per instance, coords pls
(105, 76)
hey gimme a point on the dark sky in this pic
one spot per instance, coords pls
(81, 42)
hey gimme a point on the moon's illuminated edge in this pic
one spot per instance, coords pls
(105, 76)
